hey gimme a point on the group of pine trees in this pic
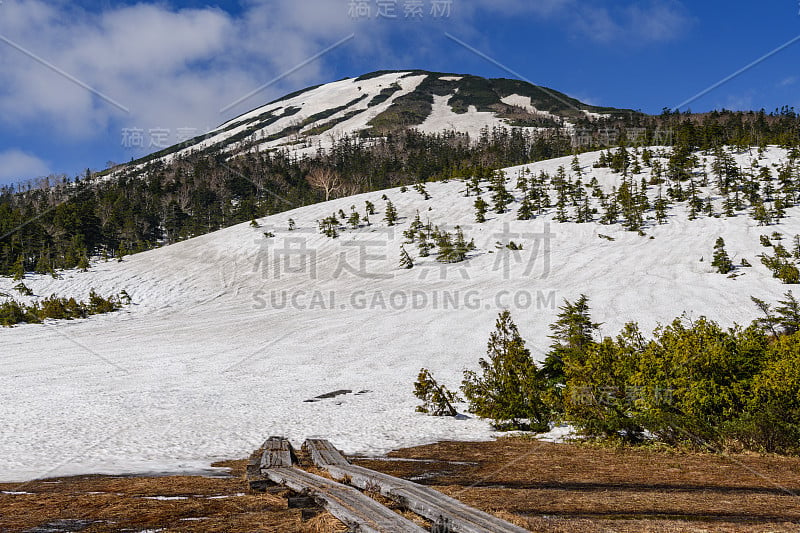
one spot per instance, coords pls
(783, 263)
(709, 184)
(692, 383)
(431, 239)
(332, 225)
(55, 307)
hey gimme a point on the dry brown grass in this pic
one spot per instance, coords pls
(541, 486)
(115, 503)
(323, 523)
(584, 488)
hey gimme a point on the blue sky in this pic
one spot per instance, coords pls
(79, 78)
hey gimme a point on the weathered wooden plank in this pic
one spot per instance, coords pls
(277, 453)
(354, 509)
(323, 453)
(426, 502)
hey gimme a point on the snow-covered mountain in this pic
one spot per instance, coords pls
(232, 333)
(380, 102)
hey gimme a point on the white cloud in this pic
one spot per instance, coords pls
(18, 165)
(737, 102)
(632, 22)
(657, 21)
(176, 68)
(168, 68)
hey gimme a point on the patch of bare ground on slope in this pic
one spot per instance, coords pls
(545, 487)
(92, 504)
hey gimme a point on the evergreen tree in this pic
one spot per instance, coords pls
(391, 213)
(329, 226)
(769, 321)
(410, 235)
(761, 215)
(525, 210)
(576, 165)
(708, 207)
(788, 314)
(636, 168)
(460, 247)
(501, 198)
(610, 210)
(405, 259)
(445, 248)
(424, 246)
(416, 224)
(508, 389)
(436, 399)
(584, 212)
(721, 261)
(620, 161)
(480, 210)
(475, 183)
(354, 219)
(630, 209)
(18, 270)
(561, 206)
(778, 209)
(724, 169)
(43, 265)
(572, 334)
(695, 204)
(660, 205)
(522, 183)
(681, 162)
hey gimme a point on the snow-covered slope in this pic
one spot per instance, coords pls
(230, 333)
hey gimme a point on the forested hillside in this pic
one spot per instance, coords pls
(63, 223)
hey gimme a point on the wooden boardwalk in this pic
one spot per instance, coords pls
(274, 466)
(353, 508)
(447, 513)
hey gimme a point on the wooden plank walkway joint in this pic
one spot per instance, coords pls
(356, 510)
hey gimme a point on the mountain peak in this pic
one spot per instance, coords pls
(387, 101)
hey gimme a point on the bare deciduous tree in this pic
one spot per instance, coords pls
(325, 179)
